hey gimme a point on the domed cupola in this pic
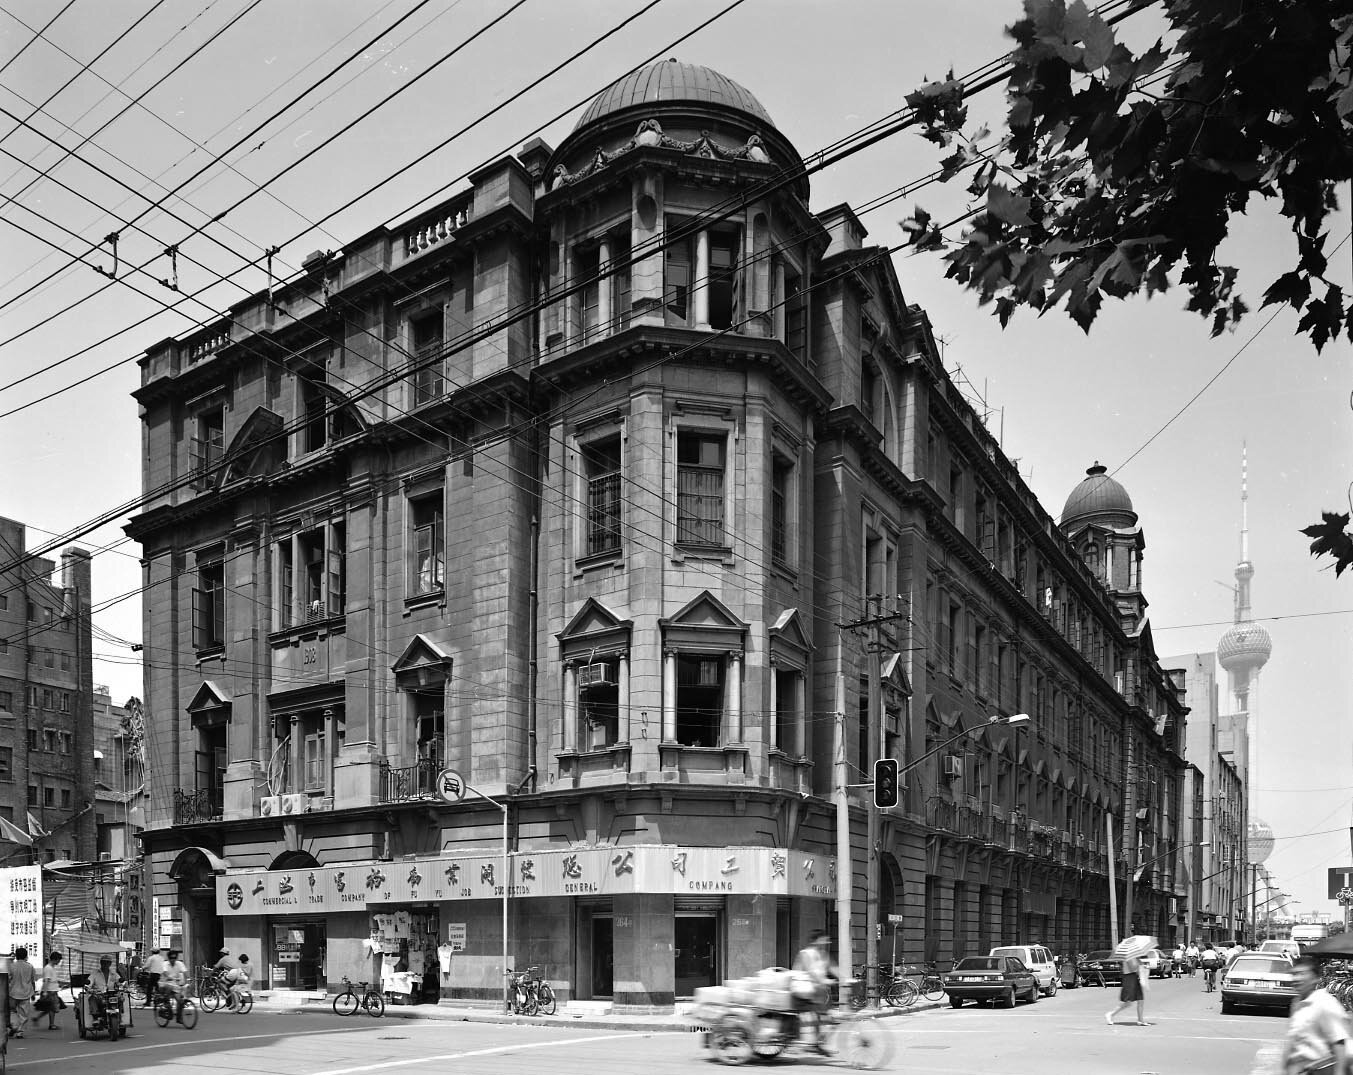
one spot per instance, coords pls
(1100, 499)
(670, 105)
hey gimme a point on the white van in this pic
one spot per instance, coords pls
(1038, 959)
(1290, 949)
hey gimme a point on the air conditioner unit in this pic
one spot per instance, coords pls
(594, 675)
(298, 803)
(105, 856)
(953, 766)
(270, 806)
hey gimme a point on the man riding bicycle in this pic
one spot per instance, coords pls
(1211, 961)
(174, 982)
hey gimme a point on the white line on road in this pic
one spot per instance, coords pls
(495, 1050)
(124, 1050)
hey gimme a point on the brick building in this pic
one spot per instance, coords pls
(593, 558)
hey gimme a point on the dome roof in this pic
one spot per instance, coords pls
(1097, 494)
(671, 81)
(1244, 644)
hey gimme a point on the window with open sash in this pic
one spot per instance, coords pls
(599, 702)
(427, 545)
(209, 605)
(700, 698)
(700, 489)
(725, 280)
(312, 575)
(426, 357)
(601, 463)
(208, 445)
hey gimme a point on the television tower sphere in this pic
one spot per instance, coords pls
(1260, 843)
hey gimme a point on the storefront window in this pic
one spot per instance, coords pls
(696, 941)
(298, 955)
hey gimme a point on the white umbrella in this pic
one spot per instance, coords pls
(1135, 947)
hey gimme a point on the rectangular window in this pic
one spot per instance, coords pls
(725, 280)
(65, 662)
(781, 473)
(208, 446)
(49, 740)
(65, 742)
(426, 347)
(49, 658)
(49, 796)
(620, 281)
(315, 759)
(32, 738)
(7, 701)
(65, 798)
(209, 605)
(981, 660)
(869, 386)
(32, 612)
(427, 545)
(310, 574)
(699, 699)
(700, 489)
(7, 764)
(601, 462)
(676, 282)
(587, 269)
(796, 318)
(48, 699)
(311, 384)
(286, 589)
(32, 795)
(599, 702)
(787, 683)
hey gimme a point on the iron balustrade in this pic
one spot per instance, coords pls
(200, 804)
(408, 782)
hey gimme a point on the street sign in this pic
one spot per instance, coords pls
(1339, 877)
(895, 919)
(450, 786)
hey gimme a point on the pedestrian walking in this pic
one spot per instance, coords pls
(49, 999)
(153, 969)
(1132, 991)
(1316, 1031)
(22, 982)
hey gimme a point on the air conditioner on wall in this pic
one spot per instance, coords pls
(953, 766)
(270, 806)
(594, 675)
(298, 803)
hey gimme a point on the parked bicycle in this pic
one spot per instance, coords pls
(165, 1002)
(890, 988)
(925, 978)
(369, 1000)
(531, 994)
(213, 992)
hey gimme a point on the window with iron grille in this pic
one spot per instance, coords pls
(700, 489)
(601, 462)
(209, 605)
(427, 545)
(6, 764)
(426, 339)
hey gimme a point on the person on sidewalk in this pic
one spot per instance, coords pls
(1132, 991)
(1316, 1031)
(152, 970)
(22, 982)
(49, 1000)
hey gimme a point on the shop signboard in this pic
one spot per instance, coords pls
(21, 911)
(455, 936)
(478, 875)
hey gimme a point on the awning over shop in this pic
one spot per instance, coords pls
(194, 858)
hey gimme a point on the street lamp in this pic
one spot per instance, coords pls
(1141, 866)
(843, 856)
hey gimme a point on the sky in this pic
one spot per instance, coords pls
(206, 72)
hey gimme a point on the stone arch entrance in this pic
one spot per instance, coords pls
(892, 943)
(195, 870)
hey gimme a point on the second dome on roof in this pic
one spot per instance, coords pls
(670, 81)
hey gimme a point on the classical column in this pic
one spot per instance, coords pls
(800, 722)
(669, 696)
(294, 729)
(622, 720)
(734, 698)
(604, 290)
(700, 287)
(330, 749)
(773, 705)
(778, 297)
(570, 707)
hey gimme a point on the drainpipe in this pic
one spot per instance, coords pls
(533, 666)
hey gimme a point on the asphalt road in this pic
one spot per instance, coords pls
(1066, 1033)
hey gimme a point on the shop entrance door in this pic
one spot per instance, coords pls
(696, 957)
(603, 956)
(298, 955)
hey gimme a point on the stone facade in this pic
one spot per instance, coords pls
(575, 485)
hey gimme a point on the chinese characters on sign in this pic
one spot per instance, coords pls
(21, 911)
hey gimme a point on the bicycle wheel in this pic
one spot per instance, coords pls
(346, 1003)
(246, 1004)
(900, 994)
(865, 1045)
(859, 994)
(932, 987)
(548, 1004)
(211, 998)
(189, 1015)
(163, 1013)
(374, 1004)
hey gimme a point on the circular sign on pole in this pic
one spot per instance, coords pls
(450, 786)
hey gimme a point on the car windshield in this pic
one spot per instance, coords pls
(1255, 965)
(1018, 953)
(1275, 946)
(978, 963)
(1106, 954)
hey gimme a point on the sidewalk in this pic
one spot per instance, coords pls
(585, 1016)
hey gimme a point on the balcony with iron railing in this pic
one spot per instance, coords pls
(408, 783)
(194, 806)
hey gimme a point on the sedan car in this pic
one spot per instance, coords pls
(1101, 968)
(1158, 964)
(1258, 981)
(1003, 979)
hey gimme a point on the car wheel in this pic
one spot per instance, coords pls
(955, 1002)
(1033, 992)
(1008, 1001)
(1051, 991)
(1227, 1007)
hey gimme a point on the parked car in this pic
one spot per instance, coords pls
(1003, 979)
(1290, 949)
(1258, 981)
(1101, 968)
(1038, 959)
(1159, 964)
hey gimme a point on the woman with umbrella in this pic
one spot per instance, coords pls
(1133, 989)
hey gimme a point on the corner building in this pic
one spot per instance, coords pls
(593, 558)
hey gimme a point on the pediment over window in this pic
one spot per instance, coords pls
(789, 644)
(595, 627)
(259, 448)
(209, 707)
(704, 623)
(894, 676)
(422, 664)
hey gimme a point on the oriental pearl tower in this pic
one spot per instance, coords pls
(1243, 650)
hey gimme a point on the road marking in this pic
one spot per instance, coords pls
(496, 1050)
(123, 1050)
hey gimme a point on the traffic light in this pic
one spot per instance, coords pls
(885, 783)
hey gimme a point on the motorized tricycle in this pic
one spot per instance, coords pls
(103, 1013)
(758, 1018)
